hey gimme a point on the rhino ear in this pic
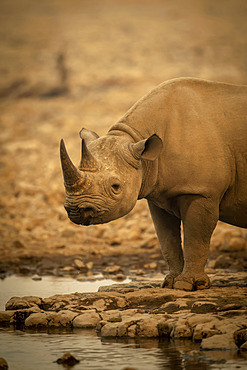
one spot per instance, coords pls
(88, 135)
(148, 149)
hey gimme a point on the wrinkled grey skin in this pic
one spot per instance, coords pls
(183, 147)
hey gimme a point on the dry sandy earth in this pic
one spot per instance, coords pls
(68, 64)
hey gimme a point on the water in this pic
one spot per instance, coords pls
(28, 350)
(36, 350)
(20, 286)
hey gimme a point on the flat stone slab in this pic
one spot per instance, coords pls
(142, 309)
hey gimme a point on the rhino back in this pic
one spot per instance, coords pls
(203, 128)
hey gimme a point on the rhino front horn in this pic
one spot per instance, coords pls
(72, 177)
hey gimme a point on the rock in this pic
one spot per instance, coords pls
(3, 364)
(240, 336)
(36, 277)
(134, 323)
(138, 272)
(130, 287)
(120, 277)
(151, 265)
(219, 342)
(147, 327)
(89, 265)
(89, 319)
(234, 241)
(68, 359)
(80, 265)
(17, 303)
(164, 328)
(61, 318)
(112, 316)
(121, 328)
(169, 307)
(195, 319)
(236, 244)
(204, 307)
(5, 316)
(37, 320)
(224, 278)
(244, 346)
(223, 262)
(181, 330)
(205, 330)
(112, 270)
(109, 330)
(22, 303)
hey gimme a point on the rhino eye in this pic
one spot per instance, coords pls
(116, 188)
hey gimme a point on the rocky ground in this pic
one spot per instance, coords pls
(70, 64)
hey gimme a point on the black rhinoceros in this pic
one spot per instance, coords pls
(183, 147)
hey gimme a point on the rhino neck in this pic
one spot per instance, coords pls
(149, 178)
(122, 128)
(149, 168)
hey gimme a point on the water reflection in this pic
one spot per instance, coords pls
(38, 350)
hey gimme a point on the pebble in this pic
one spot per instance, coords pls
(36, 278)
(112, 270)
(151, 265)
(67, 359)
(79, 264)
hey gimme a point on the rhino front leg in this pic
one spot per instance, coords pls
(199, 216)
(169, 234)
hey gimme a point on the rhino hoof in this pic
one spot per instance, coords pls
(183, 285)
(202, 284)
(189, 283)
(168, 282)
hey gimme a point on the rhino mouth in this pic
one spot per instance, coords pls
(80, 216)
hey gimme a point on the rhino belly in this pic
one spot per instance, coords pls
(233, 209)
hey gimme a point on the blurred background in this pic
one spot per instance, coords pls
(68, 64)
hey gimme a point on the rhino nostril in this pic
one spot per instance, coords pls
(87, 211)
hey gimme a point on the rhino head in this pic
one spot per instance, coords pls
(107, 182)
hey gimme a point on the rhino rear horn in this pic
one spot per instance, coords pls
(88, 162)
(71, 175)
(88, 135)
